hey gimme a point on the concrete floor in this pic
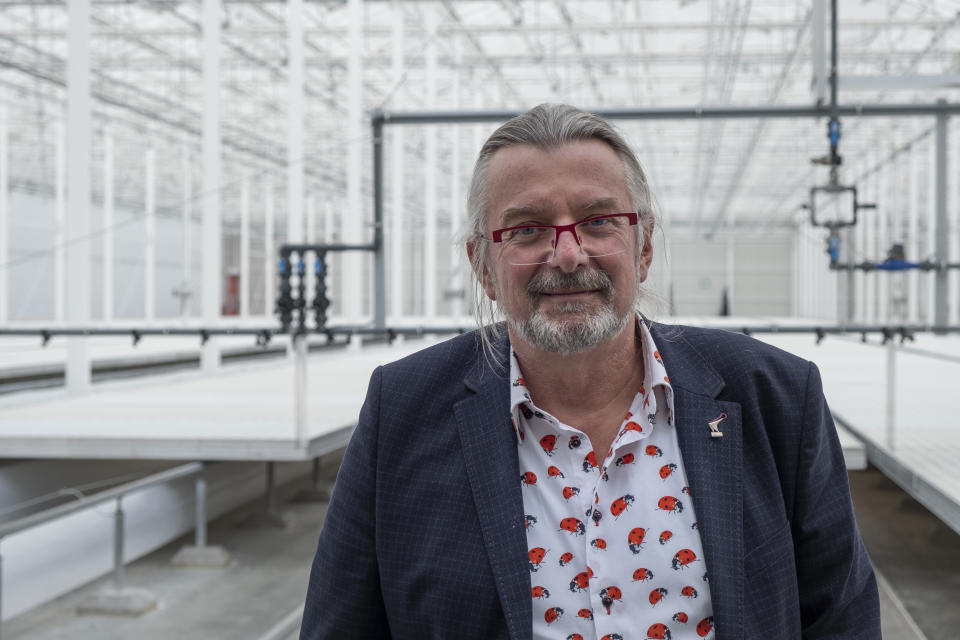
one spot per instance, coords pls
(917, 556)
(265, 581)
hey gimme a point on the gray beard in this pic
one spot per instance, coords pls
(575, 333)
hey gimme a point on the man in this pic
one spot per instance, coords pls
(580, 472)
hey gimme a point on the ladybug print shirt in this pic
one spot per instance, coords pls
(613, 545)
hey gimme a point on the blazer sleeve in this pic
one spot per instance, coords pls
(838, 589)
(343, 596)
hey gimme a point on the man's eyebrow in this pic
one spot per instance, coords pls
(510, 215)
(601, 204)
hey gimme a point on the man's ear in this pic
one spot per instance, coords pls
(646, 255)
(481, 271)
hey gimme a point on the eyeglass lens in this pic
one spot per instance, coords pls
(597, 237)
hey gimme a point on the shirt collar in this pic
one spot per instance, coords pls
(655, 374)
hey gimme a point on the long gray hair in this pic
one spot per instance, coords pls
(546, 127)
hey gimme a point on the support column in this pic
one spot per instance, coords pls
(4, 216)
(818, 41)
(186, 284)
(77, 224)
(295, 100)
(870, 247)
(269, 251)
(330, 235)
(953, 207)
(430, 173)
(931, 243)
(859, 278)
(245, 245)
(212, 233)
(455, 281)
(882, 213)
(849, 277)
(310, 211)
(354, 292)
(150, 232)
(108, 224)
(730, 263)
(398, 231)
(912, 244)
(201, 554)
(941, 314)
(59, 221)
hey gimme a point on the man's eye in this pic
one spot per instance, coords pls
(526, 231)
(598, 222)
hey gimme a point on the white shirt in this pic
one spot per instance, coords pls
(614, 548)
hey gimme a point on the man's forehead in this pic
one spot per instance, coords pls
(580, 176)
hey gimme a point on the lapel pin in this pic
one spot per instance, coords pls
(715, 426)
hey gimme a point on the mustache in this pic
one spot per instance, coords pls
(547, 282)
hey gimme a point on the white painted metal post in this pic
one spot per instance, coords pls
(818, 42)
(310, 213)
(212, 268)
(186, 286)
(4, 216)
(942, 315)
(456, 206)
(330, 236)
(310, 210)
(891, 392)
(870, 245)
(881, 221)
(300, 387)
(397, 212)
(430, 171)
(796, 271)
(295, 111)
(913, 245)
(295, 100)
(245, 245)
(269, 252)
(77, 227)
(953, 224)
(59, 221)
(108, 260)
(150, 233)
(931, 278)
(859, 284)
(118, 530)
(201, 510)
(730, 263)
(353, 291)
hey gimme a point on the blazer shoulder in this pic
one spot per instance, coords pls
(730, 353)
(451, 359)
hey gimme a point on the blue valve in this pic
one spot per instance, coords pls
(833, 132)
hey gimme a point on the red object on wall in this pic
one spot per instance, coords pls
(231, 295)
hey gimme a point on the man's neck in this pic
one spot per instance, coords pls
(597, 382)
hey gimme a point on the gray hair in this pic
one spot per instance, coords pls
(546, 127)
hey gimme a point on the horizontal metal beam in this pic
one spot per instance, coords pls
(899, 82)
(419, 330)
(41, 517)
(682, 113)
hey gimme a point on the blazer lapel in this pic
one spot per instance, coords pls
(491, 459)
(714, 470)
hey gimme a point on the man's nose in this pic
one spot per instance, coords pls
(567, 253)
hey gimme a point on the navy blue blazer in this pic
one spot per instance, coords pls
(424, 535)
